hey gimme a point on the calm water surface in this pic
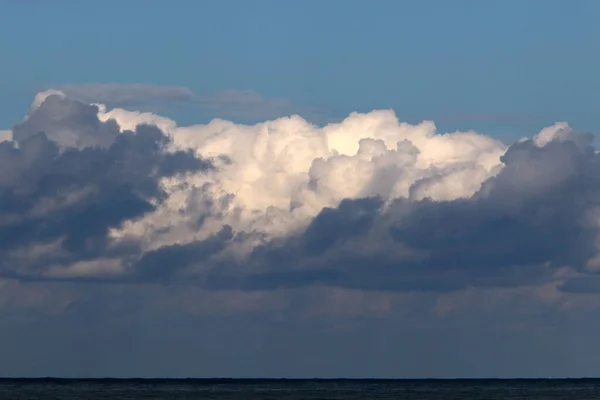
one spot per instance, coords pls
(24, 389)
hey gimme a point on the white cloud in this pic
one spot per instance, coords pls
(283, 172)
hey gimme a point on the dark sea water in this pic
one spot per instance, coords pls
(42, 389)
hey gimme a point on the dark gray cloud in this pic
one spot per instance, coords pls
(68, 123)
(69, 178)
(172, 261)
(582, 285)
(156, 331)
(523, 224)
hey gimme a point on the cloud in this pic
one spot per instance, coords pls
(125, 94)
(520, 228)
(228, 103)
(66, 122)
(68, 178)
(587, 284)
(5, 135)
(244, 104)
(126, 238)
(487, 117)
(369, 203)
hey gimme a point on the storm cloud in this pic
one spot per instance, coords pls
(530, 217)
(68, 178)
(370, 203)
(517, 230)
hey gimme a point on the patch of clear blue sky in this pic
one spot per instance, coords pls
(534, 59)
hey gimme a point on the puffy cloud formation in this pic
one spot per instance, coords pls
(68, 178)
(368, 203)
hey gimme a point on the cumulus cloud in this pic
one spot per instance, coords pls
(537, 215)
(68, 178)
(369, 203)
(68, 123)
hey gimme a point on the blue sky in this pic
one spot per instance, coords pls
(368, 249)
(507, 68)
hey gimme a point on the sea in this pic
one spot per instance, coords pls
(292, 389)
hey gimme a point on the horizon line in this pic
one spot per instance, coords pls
(59, 378)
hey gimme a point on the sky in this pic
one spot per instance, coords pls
(299, 189)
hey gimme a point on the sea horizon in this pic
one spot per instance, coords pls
(300, 388)
(297, 379)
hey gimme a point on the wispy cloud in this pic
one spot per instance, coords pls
(125, 93)
(486, 117)
(243, 104)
